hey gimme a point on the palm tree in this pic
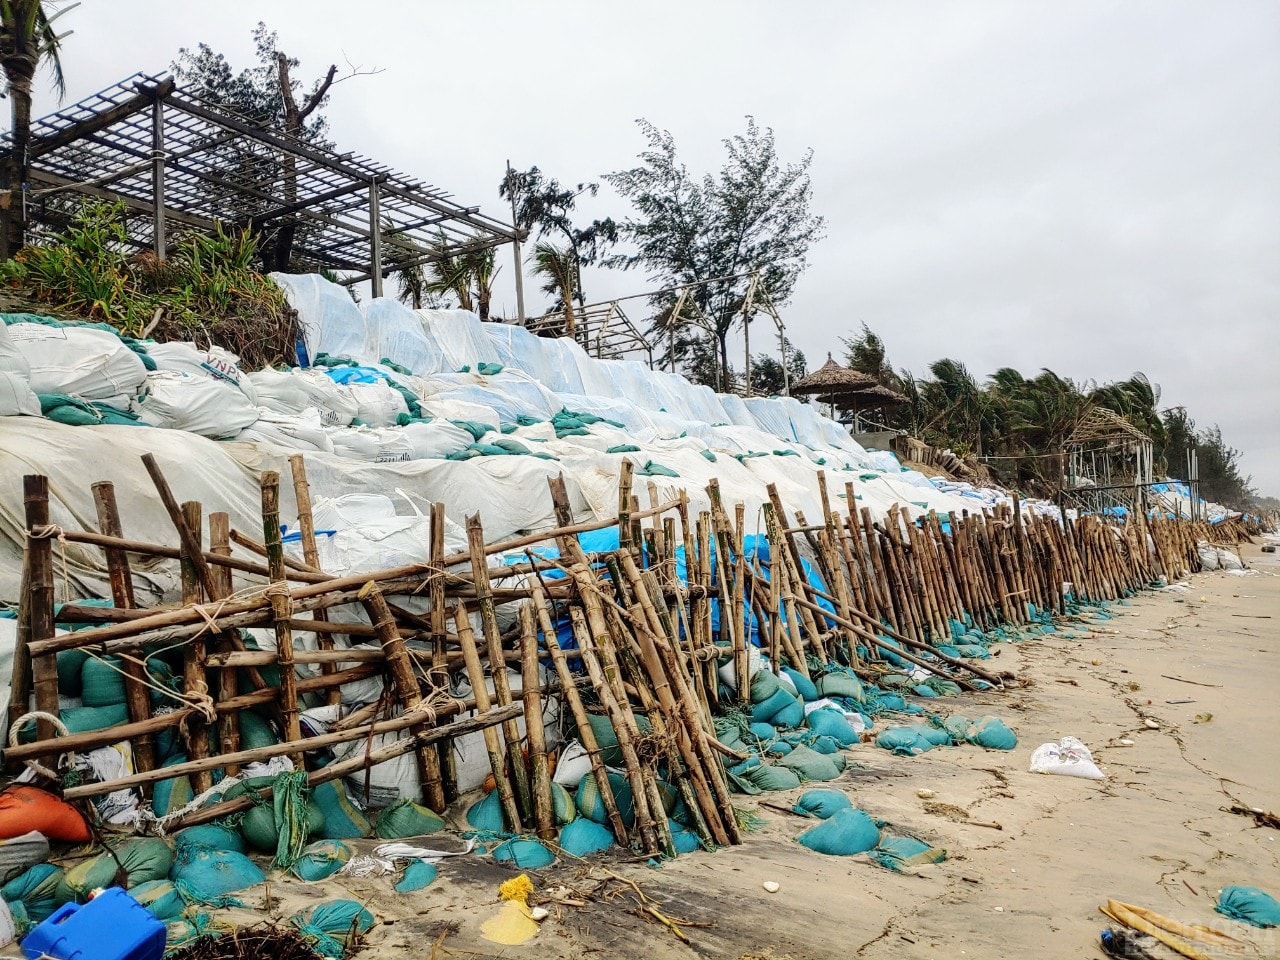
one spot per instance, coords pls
(481, 271)
(560, 268)
(27, 39)
(449, 274)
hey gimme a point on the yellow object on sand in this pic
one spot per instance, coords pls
(513, 924)
(1169, 932)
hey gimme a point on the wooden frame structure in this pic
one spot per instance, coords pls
(177, 162)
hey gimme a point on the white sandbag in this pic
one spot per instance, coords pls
(393, 445)
(215, 362)
(12, 360)
(301, 433)
(331, 322)
(371, 444)
(435, 440)
(1208, 555)
(377, 405)
(573, 765)
(1068, 758)
(79, 361)
(293, 391)
(16, 396)
(1228, 561)
(209, 406)
(368, 534)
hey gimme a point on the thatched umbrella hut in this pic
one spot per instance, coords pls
(875, 397)
(831, 383)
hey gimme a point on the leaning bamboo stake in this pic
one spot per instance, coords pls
(193, 666)
(447, 791)
(38, 600)
(228, 723)
(540, 776)
(492, 739)
(135, 672)
(187, 536)
(282, 610)
(497, 663)
(586, 736)
(310, 550)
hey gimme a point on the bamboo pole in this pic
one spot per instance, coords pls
(282, 610)
(540, 775)
(39, 599)
(436, 597)
(193, 668)
(310, 549)
(228, 723)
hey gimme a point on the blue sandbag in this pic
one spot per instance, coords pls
(524, 853)
(204, 876)
(684, 839)
(823, 804)
(898, 852)
(486, 814)
(766, 710)
(903, 741)
(790, 716)
(1249, 905)
(923, 690)
(992, 733)
(846, 833)
(804, 686)
(210, 836)
(584, 836)
(764, 731)
(831, 723)
(418, 874)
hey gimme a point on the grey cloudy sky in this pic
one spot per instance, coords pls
(1092, 187)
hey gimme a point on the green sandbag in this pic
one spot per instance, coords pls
(512, 446)
(70, 667)
(404, 818)
(824, 745)
(485, 814)
(973, 651)
(831, 723)
(417, 875)
(259, 829)
(707, 454)
(525, 853)
(790, 716)
(141, 860)
(255, 732)
(1249, 905)
(804, 686)
(82, 720)
(655, 469)
(903, 741)
(938, 736)
(101, 682)
(607, 740)
(846, 833)
(841, 685)
(764, 732)
(562, 805)
(584, 837)
(209, 836)
(172, 794)
(160, 897)
(38, 890)
(684, 839)
(321, 860)
(766, 710)
(992, 733)
(764, 685)
(753, 778)
(589, 802)
(898, 852)
(811, 765)
(333, 926)
(823, 804)
(208, 876)
(623, 448)
(342, 818)
(296, 818)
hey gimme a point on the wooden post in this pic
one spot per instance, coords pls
(311, 552)
(439, 670)
(39, 598)
(282, 610)
(543, 805)
(135, 683)
(193, 666)
(228, 723)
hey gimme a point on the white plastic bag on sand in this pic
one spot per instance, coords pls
(573, 765)
(79, 361)
(1228, 561)
(1068, 758)
(212, 407)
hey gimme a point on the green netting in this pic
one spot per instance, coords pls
(160, 897)
(140, 860)
(847, 832)
(320, 860)
(584, 836)
(333, 926)
(210, 876)
(524, 852)
(342, 818)
(37, 890)
(417, 875)
(1249, 905)
(295, 818)
(404, 818)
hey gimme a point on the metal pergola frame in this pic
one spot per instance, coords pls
(602, 329)
(179, 163)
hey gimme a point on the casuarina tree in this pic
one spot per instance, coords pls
(712, 232)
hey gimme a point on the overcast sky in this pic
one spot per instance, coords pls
(1089, 186)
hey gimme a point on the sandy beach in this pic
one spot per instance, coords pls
(1200, 664)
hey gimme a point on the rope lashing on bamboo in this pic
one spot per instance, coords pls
(52, 531)
(18, 724)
